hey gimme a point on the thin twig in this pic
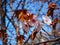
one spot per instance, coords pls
(46, 32)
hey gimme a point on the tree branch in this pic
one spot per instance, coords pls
(52, 40)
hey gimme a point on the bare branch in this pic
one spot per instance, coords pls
(52, 40)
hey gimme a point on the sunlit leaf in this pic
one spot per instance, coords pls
(30, 16)
(20, 13)
(23, 15)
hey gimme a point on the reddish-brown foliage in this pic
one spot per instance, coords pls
(50, 12)
(33, 35)
(20, 38)
(54, 22)
(23, 15)
(51, 7)
(1, 34)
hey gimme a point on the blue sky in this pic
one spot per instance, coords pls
(32, 8)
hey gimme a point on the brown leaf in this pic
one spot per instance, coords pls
(50, 12)
(20, 38)
(31, 16)
(20, 13)
(52, 5)
(22, 19)
(33, 35)
(54, 22)
(23, 15)
(0, 35)
(28, 17)
(17, 12)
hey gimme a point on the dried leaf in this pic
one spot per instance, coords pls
(52, 5)
(28, 17)
(17, 12)
(31, 16)
(22, 19)
(54, 22)
(0, 35)
(33, 35)
(50, 12)
(23, 15)
(20, 38)
(20, 13)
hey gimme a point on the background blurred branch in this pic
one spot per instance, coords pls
(52, 40)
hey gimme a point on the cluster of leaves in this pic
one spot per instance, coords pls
(52, 7)
(23, 15)
(29, 20)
